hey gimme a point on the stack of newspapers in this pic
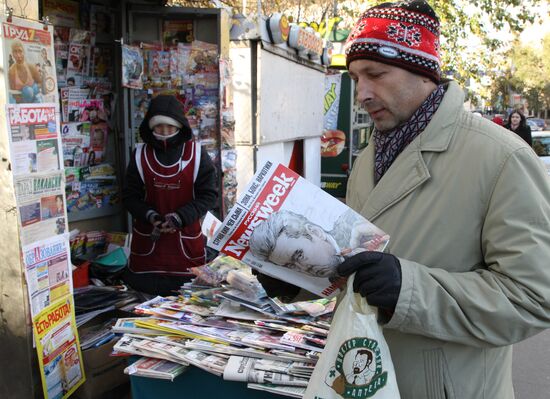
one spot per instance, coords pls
(234, 334)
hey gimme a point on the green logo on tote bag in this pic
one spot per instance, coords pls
(357, 371)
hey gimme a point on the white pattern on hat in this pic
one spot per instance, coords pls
(163, 119)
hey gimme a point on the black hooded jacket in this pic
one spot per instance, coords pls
(523, 131)
(168, 152)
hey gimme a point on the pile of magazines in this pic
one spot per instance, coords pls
(230, 329)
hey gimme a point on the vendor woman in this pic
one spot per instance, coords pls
(170, 184)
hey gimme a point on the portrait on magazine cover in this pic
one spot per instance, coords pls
(292, 240)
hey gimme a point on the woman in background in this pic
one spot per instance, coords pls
(518, 124)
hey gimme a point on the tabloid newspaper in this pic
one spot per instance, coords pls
(30, 69)
(41, 206)
(240, 368)
(48, 271)
(33, 133)
(58, 349)
(290, 229)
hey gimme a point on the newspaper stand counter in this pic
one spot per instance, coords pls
(193, 383)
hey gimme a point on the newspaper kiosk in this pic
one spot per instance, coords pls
(278, 96)
(281, 80)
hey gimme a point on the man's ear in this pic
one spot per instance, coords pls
(315, 230)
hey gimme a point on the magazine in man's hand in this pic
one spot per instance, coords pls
(288, 228)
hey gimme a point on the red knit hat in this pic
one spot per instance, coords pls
(403, 34)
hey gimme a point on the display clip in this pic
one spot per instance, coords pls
(9, 13)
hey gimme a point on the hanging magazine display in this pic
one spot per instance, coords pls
(58, 349)
(33, 138)
(41, 205)
(47, 271)
(132, 67)
(29, 61)
(290, 229)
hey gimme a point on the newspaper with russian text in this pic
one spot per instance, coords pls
(288, 228)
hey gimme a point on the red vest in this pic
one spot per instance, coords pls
(167, 188)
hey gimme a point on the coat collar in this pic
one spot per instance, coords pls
(409, 171)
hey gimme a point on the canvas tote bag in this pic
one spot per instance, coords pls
(356, 361)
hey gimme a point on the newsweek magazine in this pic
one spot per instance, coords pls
(290, 229)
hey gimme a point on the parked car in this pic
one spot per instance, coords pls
(541, 123)
(541, 145)
(533, 125)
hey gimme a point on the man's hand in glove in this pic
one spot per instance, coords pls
(172, 221)
(277, 288)
(377, 278)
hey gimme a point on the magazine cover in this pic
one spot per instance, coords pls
(132, 67)
(58, 349)
(29, 52)
(89, 109)
(33, 138)
(98, 142)
(75, 138)
(41, 206)
(78, 65)
(290, 229)
(48, 268)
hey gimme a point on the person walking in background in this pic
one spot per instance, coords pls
(170, 184)
(465, 274)
(518, 124)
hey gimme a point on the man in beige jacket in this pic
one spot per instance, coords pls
(467, 206)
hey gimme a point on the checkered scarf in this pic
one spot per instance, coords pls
(390, 144)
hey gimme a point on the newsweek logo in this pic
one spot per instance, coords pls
(270, 200)
(26, 34)
(31, 116)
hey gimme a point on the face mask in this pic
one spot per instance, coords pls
(161, 137)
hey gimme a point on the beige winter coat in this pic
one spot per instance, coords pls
(467, 205)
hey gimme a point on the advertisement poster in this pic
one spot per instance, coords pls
(132, 67)
(41, 204)
(332, 100)
(58, 349)
(29, 56)
(33, 138)
(47, 271)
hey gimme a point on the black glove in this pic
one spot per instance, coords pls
(276, 288)
(156, 220)
(154, 217)
(172, 221)
(377, 277)
(155, 233)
